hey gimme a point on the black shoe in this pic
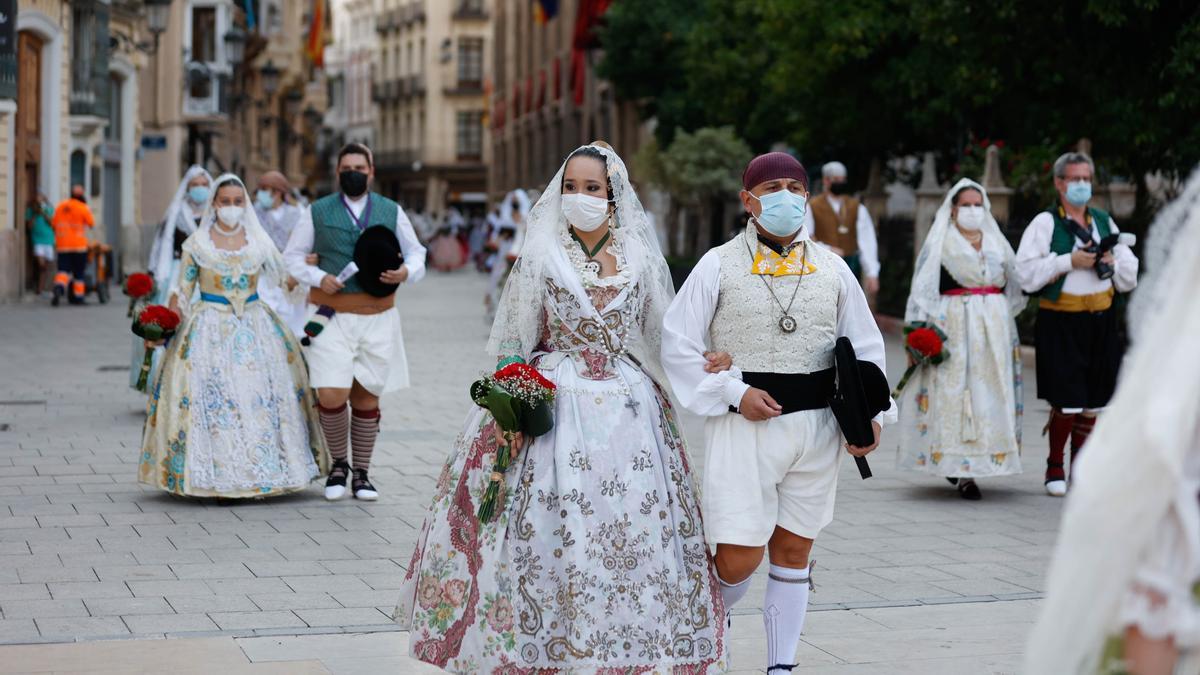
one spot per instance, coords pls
(362, 487)
(335, 486)
(58, 293)
(780, 668)
(967, 489)
(952, 481)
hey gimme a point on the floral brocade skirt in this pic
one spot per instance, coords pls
(231, 414)
(596, 563)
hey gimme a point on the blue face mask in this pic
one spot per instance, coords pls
(782, 212)
(264, 199)
(198, 194)
(1079, 193)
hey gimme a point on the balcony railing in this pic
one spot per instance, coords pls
(470, 11)
(465, 88)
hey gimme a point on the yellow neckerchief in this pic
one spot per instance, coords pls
(769, 263)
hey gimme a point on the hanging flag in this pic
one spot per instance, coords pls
(249, 7)
(316, 35)
(557, 78)
(590, 16)
(544, 10)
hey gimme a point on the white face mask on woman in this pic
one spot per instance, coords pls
(230, 215)
(970, 218)
(584, 212)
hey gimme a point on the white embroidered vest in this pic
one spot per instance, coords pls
(746, 322)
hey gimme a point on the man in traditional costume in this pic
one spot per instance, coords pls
(841, 222)
(359, 354)
(777, 304)
(278, 216)
(1079, 345)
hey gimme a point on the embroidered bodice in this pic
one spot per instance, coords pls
(233, 277)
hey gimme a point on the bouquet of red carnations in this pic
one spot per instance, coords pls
(926, 345)
(153, 323)
(520, 399)
(138, 286)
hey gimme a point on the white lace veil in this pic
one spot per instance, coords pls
(517, 327)
(260, 249)
(1135, 454)
(178, 216)
(924, 300)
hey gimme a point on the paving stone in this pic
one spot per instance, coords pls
(211, 571)
(312, 600)
(255, 620)
(203, 604)
(127, 606)
(144, 624)
(342, 617)
(89, 589)
(134, 572)
(74, 628)
(36, 609)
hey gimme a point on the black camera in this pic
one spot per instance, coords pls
(1103, 269)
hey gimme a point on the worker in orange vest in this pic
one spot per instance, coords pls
(72, 218)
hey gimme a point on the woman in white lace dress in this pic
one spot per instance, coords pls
(1124, 585)
(231, 414)
(596, 562)
(961, 419)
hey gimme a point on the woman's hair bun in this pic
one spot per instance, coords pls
(601, 144)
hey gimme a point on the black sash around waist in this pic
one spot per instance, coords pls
(794, 391)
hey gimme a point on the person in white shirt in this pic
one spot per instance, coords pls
(772, 444)
(278, 216)
(841, 222)
(359, 355)
(1079, 346)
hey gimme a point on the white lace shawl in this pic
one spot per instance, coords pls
(1136, 452)
(924, 300)
(259, 255)
(546, 255)
(177, 217)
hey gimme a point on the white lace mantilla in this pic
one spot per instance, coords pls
(746, 323)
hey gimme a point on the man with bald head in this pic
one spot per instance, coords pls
(776, 304)
(840, 221)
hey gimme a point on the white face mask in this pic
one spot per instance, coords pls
(584, 212)
(230, 215)
(970, 218)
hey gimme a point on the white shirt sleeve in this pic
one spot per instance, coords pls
(410, 246)
(300, 244)
(856, 322)
(1125, 265)
(868, 246)
(1037, 266)
(684, 336)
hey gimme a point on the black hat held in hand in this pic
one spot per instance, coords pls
(377, 251)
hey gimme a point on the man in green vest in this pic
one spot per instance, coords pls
(1079, 346)
(359, 355)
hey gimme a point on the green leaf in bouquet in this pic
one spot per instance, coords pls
(152, 332)
(501, 405)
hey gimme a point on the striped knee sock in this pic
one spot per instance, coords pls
(335, 425)
(364, 427)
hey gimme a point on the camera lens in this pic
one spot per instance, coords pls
(1103, 269)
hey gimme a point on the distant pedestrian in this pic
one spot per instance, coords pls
(1079, 345)
(842, 223)
(72, 220)
(962, 419)
(278, 216)
(38, 216)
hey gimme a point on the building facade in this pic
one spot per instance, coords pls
(430, 79)
(546, 98)
(69, 79)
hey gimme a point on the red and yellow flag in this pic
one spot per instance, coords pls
(315, 49)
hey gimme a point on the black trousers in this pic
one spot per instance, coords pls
(1078, 357)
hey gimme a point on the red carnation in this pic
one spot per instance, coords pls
(153, 324)
(925, 341)
(999, 144)
(139, 285)
(523, 371)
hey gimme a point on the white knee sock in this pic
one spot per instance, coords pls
(731, 593)
(783, 614)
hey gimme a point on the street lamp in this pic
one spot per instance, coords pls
(291, 103)
(235, 46)
(158, 14)
(312, 117)
(270, 79)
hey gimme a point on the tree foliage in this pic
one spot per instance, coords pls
(878, 78)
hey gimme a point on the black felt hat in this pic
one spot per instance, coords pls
(377, 251)
(861, 393)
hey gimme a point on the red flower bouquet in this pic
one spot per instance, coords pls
(926, 345)
(138, 286)
(519, 399)
(153, 323)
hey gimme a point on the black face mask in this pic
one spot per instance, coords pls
(353, 183)
(839, 188)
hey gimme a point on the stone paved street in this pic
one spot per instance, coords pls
(908, 573)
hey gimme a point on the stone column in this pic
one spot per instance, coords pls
(929, 198)
(992, 181)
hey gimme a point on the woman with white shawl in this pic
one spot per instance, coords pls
(1124, 584)
(595, 561)
(961, 419)
(179, 222)
(231, 414)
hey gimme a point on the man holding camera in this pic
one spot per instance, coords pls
(1074, 258)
